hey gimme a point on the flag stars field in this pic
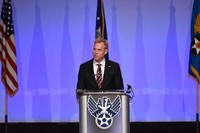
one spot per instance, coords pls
(196, 45)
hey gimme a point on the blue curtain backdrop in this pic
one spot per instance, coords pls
(150, 40)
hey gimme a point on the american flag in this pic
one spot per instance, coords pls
(7, 49)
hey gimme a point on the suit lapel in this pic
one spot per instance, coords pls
(91, 72)
(106, 73)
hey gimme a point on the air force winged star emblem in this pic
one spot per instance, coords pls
(104, 110)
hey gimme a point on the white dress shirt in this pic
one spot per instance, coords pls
(103, 63)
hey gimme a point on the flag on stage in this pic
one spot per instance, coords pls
(7, 49)
(194, 61)
(101, 30)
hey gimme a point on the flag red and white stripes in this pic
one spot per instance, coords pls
(7, 49)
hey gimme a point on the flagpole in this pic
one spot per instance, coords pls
(6, 111)
(197, 106)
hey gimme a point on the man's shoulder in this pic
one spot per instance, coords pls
(89, 62)
(110, 62)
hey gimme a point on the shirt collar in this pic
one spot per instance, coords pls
(103, 62)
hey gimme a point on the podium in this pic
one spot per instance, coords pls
(104, 112)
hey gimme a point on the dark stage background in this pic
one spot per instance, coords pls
(135, 127)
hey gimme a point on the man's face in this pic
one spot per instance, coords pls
(99, 51)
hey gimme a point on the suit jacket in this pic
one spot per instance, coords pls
(112, 79)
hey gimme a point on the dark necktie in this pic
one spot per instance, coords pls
(99, 76)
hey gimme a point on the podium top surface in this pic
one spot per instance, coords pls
(90, 92)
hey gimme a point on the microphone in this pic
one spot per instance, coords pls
(130, 90)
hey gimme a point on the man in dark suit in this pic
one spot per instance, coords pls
(99, 74)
